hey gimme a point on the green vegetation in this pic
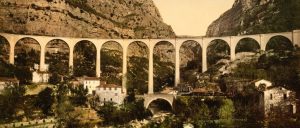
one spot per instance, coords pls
(163, 74)
(285, 20)
(280, 69)
(4, 48)
(169, 122)
(10, 101)
(84, 59)
(226, 110)
(137, 75)
(206, 109)
(111, 66)
(200, 111)
(217, 50)
(23, 74)
(45, 100)
(114, 116)
(27, 59)
(194, 65)
(79, 95)
(7, 70)
(58, 63)
(247, 45)
(63, 106)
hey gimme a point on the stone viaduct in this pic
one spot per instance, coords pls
(232, 42)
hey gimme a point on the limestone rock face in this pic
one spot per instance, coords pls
(257, 16)
(84, 18)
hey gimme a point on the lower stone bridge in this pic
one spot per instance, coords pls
(149, 98)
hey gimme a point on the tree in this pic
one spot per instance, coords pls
(10, 100)
(63, 106)
(80, 95)
(23, 74)
(45, 100)
(7, 70)
(226, 110)
(54, 79)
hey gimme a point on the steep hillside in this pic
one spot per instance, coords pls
(257, 16)
(84, 18)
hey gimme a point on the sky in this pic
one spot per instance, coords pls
(191, 17)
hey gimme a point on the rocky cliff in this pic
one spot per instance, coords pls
(257, 16)
(84, 18)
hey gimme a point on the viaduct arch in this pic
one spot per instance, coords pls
(232, 41)
(144, 52)
(25, 42)
(63, 49)
(249, 41)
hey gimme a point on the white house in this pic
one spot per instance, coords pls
(91, 83)
(275, 100)
(110, 93)
(40, 76)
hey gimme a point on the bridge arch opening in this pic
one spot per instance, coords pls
(159, 105)
(279, 43)
(247, 45)
(111, 62)
(27, 52)
(164, 65)
(84, 59)
(57, 56)
(4, 49)
(138, 66)
(217, 50)
(190, 54)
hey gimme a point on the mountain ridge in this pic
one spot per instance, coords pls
(84, 18)
(256, 17)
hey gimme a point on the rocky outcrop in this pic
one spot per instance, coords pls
(257, 16)
(84, 18)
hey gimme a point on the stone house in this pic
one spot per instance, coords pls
(184, 89)
(91, 83)
(7, 81)
(110, 93)
(40, 76)
(275, 100)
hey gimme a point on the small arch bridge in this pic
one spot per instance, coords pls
(149, 98)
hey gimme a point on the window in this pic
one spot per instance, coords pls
(116, 94)
(115, 88)
(110, 99)
(271, 97)
(271, 107)
(284, 96)
(109, 88)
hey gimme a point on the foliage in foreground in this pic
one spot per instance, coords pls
(125, 113)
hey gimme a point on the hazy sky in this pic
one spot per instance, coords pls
(191, 17)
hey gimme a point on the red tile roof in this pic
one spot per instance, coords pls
(10, 79)
(91, 78)
(109, 86)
